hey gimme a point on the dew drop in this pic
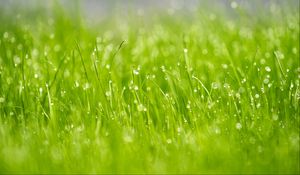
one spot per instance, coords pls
(238, 126)
(268, 69)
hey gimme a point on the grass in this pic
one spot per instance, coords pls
(207, 92)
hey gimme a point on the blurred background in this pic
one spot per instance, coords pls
(97, 10)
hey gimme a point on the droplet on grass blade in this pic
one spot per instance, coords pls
(241, 90)
(127, 138)
(67, 73)
(275, 117)
(41, 90)
(136, 88)
(86, 86)
(224, 66)
(108, 93)
(258, 105)
(243, 80)
(238, 126)
(141, 108)
(279, 54)
(17, 60)
(266, 81)
(135, 72)
(188, 106)
(215, 85)
(262, 61)
(77, 84)
(268, 69)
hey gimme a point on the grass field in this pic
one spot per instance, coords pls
(213, 91)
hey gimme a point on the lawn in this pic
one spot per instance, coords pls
(211, 90)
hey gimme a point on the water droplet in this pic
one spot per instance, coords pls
(275, 117)
(127, 137)
(241, 90)
(17, 60)
(215, 85)
(188, 106)
(135, 72)
(217, 130)
(262, 61)
(136, 87)
(266, 81)
(238, 126)
(269, 85)
(86, 86)
(57, 48)
(141, 108)
(226, 86)
(268, 69)
(258, 105)
(224, 66)
(76, 84)
(108, 93)
(243, 80)
(67, 73)
(41, 90)
(279, 54)
(2, 99)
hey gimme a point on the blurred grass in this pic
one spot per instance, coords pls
(214, 91)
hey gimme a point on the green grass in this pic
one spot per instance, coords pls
(214, 91)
